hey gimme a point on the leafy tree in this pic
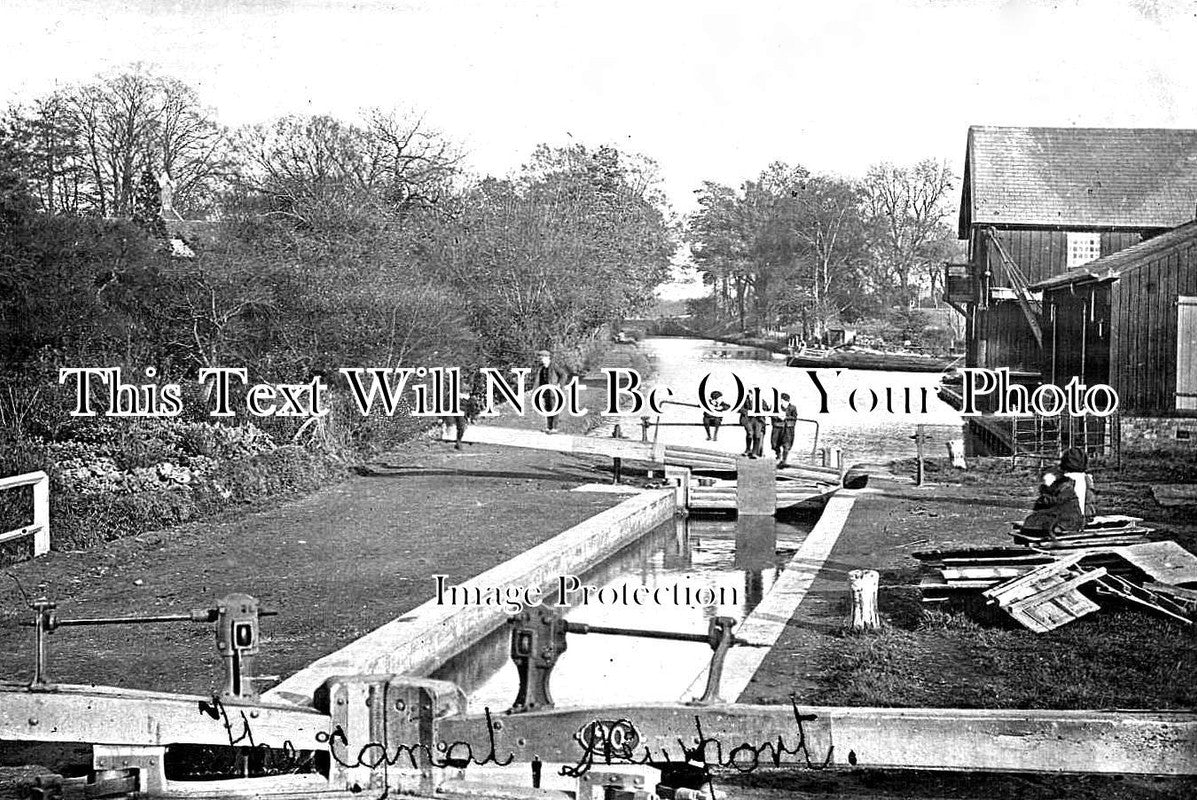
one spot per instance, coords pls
(828, 223)
(785, 248)
(45, 138)
(577, 240)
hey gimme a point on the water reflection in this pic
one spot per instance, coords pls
(732, 564)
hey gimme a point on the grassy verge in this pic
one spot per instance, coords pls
(969, 658)
(966, 654)
(111, 478)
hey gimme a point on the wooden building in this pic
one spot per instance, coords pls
(1130, 320)
(1038, 202)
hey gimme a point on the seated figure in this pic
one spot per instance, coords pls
(1066, 502)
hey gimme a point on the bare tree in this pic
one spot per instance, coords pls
(415, 163)
(88, 146)
(906, 208)
(323, 172)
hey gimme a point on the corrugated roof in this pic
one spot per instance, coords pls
(1112, 266)
(1079, 177)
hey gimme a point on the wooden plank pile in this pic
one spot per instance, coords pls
(1043, 588)
(1048, 596)
(1106, 531)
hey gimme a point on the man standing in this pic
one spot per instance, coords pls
(782, 444)
(778, 423)
(760, 424)
(753, 420)
(549, 373)
(746, 424)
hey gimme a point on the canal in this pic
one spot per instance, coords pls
(733, 562)
(865, 435)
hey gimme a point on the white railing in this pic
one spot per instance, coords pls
(40, 528)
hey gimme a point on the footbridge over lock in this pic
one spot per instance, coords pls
(708, 479)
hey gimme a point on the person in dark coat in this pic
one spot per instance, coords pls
(783, 442)
(1067, 501)
(760, 425)
(754, 424)
(712, 421)
(749, 428)
(544, 373)
(471, 407)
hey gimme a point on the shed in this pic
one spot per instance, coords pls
(1039, 202)
(1129, 320)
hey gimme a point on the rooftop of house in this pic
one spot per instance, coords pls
(1111, 267)
(1080, 178)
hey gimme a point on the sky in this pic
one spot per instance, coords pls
(710, 90)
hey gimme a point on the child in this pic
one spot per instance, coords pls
(712, 421)
(1066, 502)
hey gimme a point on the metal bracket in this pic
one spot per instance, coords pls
(537, 641)
(626, 783)
(237, 636)
(719, 635)
(149, 762)
(538, 638)
(384, 730)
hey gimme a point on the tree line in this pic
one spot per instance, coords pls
(796, 249)
(335, 242)
(329, 242)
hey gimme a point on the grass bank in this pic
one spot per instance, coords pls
(967, 654)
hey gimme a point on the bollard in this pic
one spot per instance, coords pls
(862, 584)
(956, 453)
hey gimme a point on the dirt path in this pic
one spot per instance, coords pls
(335, 564)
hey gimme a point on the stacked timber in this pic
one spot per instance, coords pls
(946, 573)
(1107, 531)
(1043, 590)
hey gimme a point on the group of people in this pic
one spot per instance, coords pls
(756, 421)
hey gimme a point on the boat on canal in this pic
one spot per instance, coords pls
(852, 357)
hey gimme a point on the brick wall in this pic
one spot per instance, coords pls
(1165, 434)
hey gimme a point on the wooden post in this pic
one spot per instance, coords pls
(616, 469)
(862, 584)
(680, 478)
(919, 438)
(41, 516)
